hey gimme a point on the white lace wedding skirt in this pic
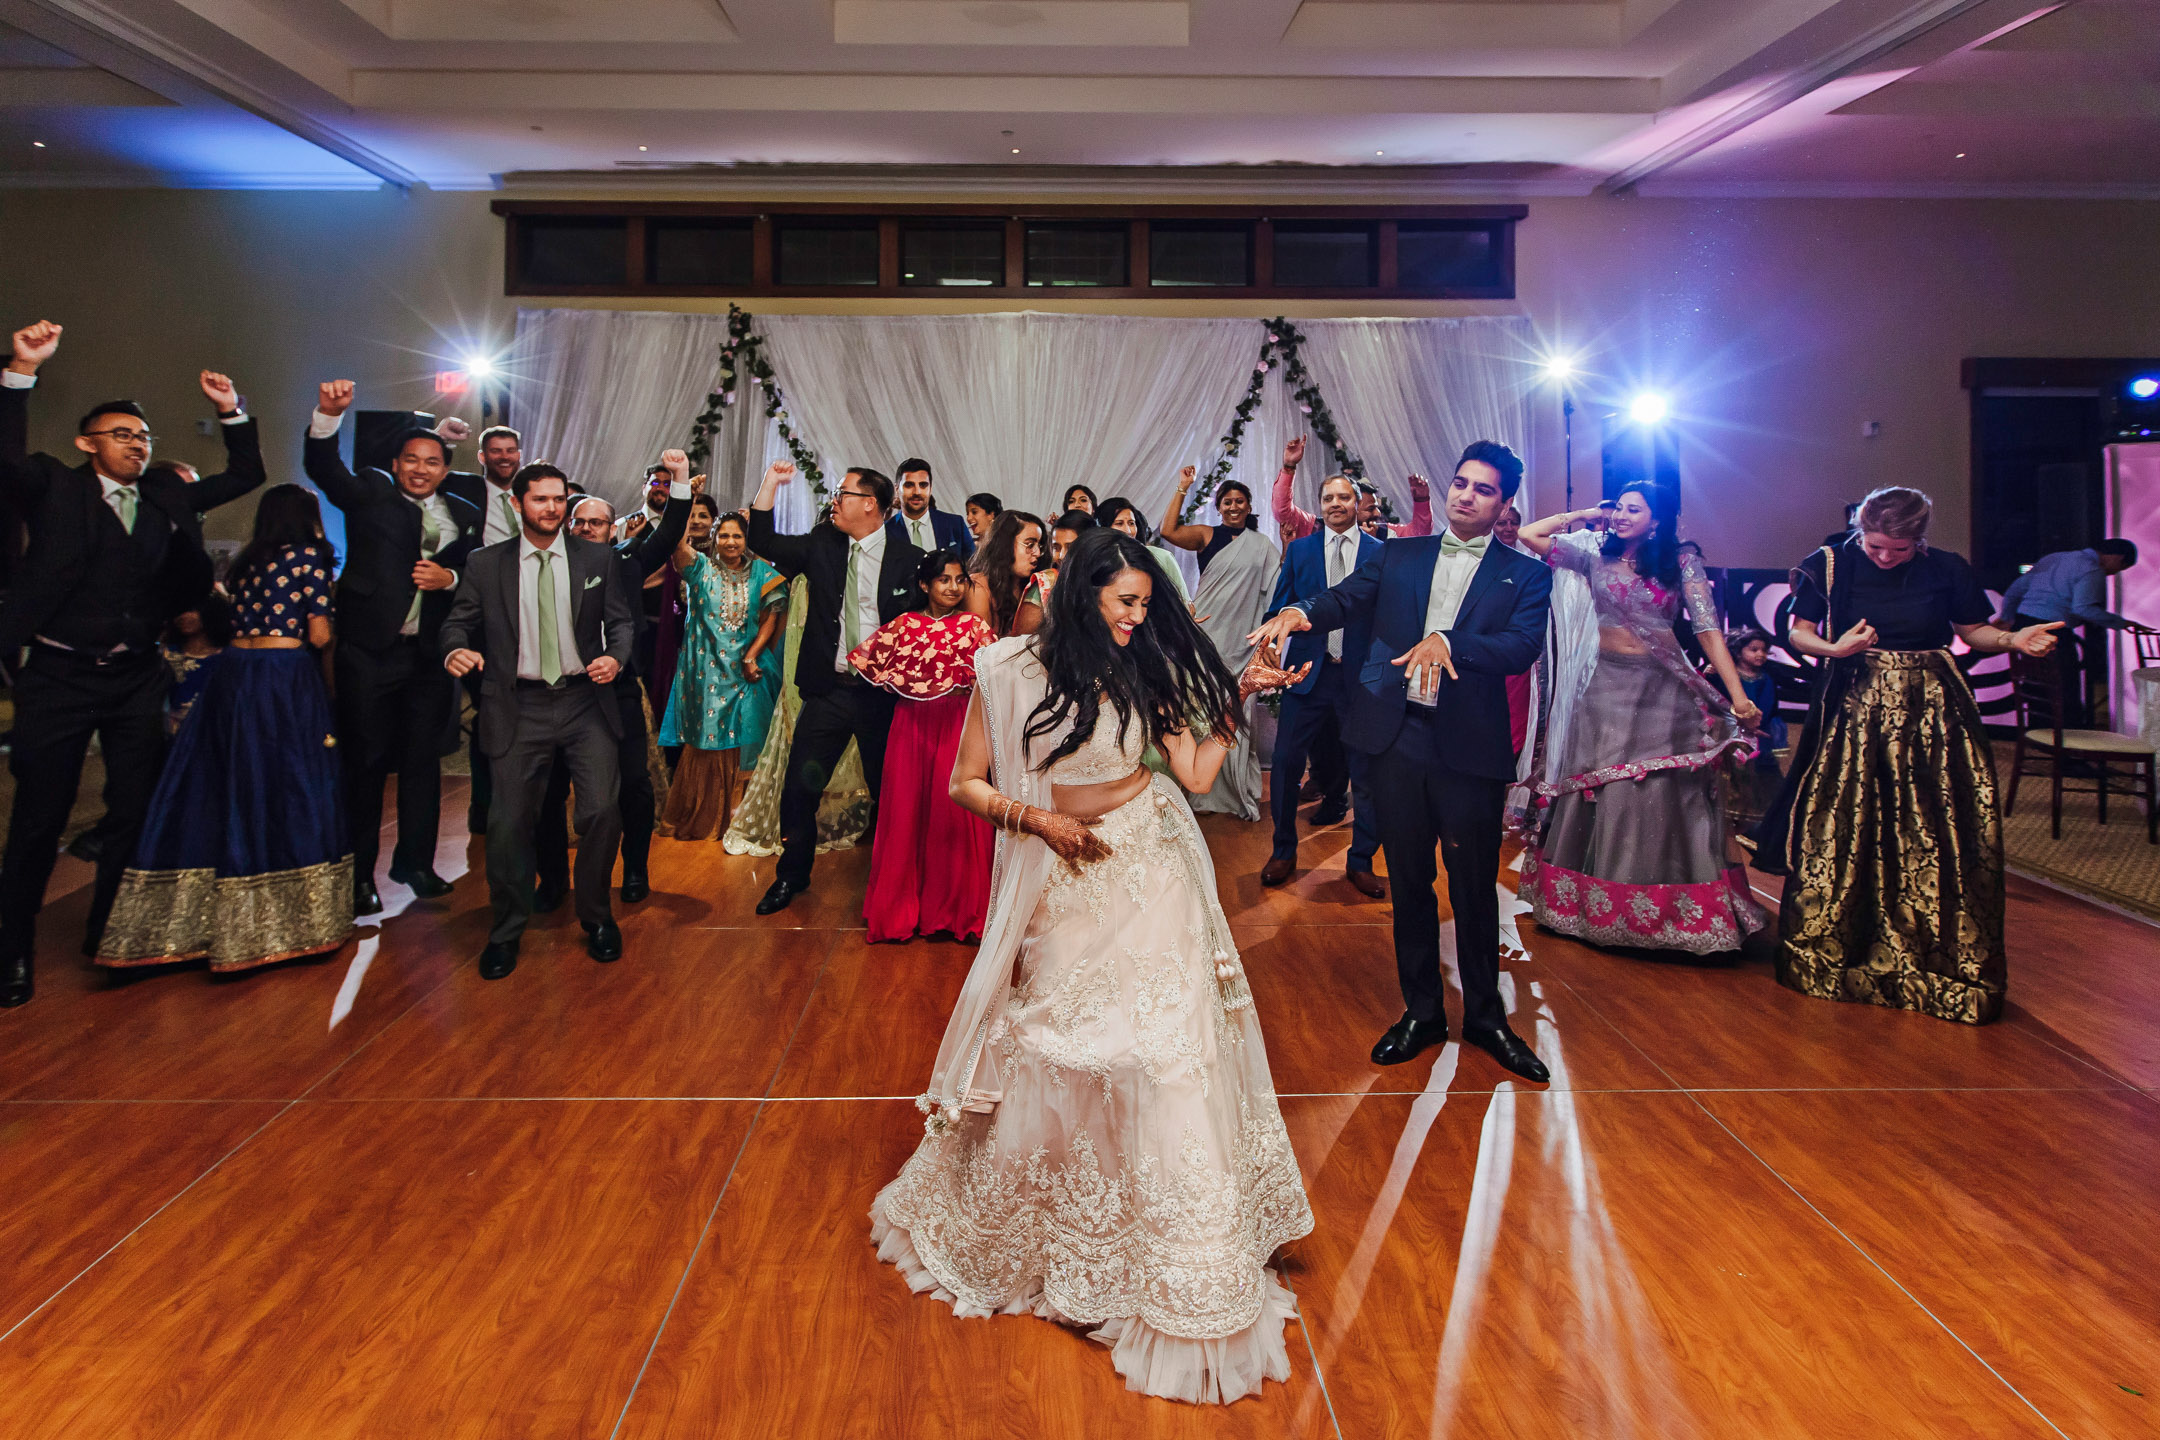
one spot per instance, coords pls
(1135, 1175)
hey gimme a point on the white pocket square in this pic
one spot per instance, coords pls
(598, 578)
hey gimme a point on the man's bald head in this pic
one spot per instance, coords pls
(593, 519)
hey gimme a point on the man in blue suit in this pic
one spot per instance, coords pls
(1310, 567)
(1435, 625)
(920, 523)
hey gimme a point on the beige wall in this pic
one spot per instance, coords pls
(1780, 327)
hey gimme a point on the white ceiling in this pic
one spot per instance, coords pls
(1412, 98)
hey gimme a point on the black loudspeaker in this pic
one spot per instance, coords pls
(375, 435)
(1634, 452)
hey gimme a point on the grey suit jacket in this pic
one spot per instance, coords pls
(485, 618)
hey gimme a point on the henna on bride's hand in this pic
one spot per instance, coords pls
(1265, 672)
(1069, 836)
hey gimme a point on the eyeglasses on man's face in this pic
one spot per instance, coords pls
(122, 436)
(858, 494)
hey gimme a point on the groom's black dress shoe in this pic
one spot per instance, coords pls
(1505, 1046)
(366, 900)
(498, 960)
(16, 983)
(603, 941)
(1406, 1037)
(635, 886)
(779, 897)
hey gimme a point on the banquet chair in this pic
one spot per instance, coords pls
(2070, 755)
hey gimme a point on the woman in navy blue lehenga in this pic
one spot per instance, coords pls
(244, 858)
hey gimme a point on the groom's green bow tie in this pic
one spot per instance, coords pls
(1451, 544)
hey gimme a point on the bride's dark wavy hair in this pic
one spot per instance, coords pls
(1659, 558)
(1168, 676)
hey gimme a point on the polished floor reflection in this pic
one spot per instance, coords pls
(374, 1195)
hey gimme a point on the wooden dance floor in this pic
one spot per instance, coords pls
(377, 1196)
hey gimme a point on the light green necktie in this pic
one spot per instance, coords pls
(124, 502)
(510, 511)
(1450, 544)
(430, 542)
(850, 612)
(550, 642)
(922, 542)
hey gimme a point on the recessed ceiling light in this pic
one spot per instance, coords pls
(1016, 149)
(40, 144)
(641, 149)
(1379, 152)
(1961, 155)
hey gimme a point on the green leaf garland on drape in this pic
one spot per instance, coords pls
(1281, 346)
(744, 352)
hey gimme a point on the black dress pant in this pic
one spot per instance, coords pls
(634, 797)
(1423, 803)
(1305, 720)
(397, 710)
(567, 718)
(853, 709)
(476, 759)
(62, 699)
(1329, 760)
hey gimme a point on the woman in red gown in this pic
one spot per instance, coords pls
(930, 860)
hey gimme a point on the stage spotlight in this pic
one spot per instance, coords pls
(479, 367)
(1559, 367)
(2145, 387)
(1648, 408)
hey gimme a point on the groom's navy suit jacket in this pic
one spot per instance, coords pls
(1499, 631)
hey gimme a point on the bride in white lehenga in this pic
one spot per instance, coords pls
(1104, 1147)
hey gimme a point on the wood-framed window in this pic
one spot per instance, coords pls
(732, 250)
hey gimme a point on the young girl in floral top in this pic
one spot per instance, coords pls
(930, 860)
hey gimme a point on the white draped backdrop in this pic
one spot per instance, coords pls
(1021, 404)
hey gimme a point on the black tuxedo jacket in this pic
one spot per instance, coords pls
(473, 489)
(948, 529)
(822, 555)
(643, 554)
(1499, 630)
(62, 507)
(484, 617)
(382, 544)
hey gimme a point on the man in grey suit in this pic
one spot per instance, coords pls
(545, 618)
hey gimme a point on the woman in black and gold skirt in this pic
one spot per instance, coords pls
(1888, 826)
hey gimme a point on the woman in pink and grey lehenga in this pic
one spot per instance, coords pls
(1633, 847)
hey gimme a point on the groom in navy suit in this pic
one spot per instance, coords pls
(1440, 622)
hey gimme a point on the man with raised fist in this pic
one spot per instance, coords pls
(115, 552)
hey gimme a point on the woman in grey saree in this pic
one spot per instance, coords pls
(1633, 849)
(1237, 575)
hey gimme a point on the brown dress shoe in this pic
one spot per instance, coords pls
(1277, 870)
(1367, 884)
